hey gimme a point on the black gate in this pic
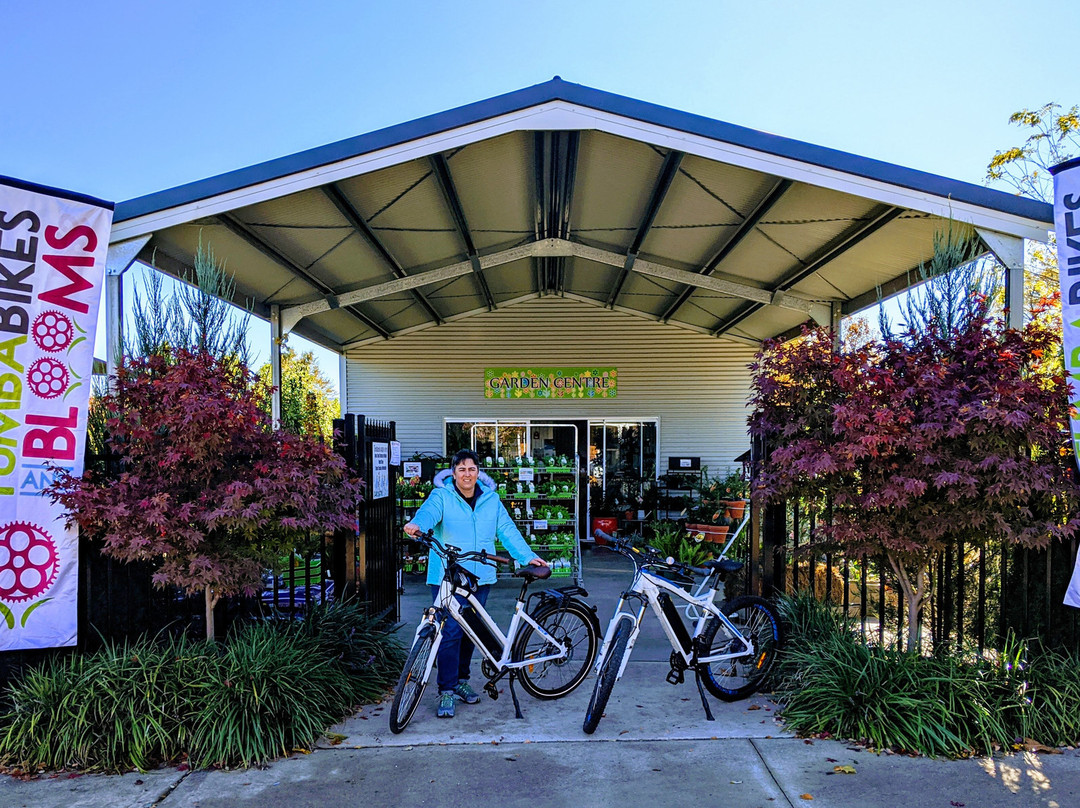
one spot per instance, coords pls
(365, 564)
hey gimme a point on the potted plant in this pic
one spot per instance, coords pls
(733, 490)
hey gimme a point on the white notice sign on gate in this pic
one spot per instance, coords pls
(380, 470)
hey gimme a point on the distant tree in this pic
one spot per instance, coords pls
(206, 490)
(308, 401)
(950, 428)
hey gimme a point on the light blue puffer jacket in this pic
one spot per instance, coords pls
(457, 524)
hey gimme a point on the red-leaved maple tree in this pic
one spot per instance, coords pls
(206, 489)
(919, 439)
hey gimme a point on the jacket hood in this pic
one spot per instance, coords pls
(446, 475)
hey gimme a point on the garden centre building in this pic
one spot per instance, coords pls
(560, 271)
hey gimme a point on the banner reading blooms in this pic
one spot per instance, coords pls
(1067, 229)
(53, 246)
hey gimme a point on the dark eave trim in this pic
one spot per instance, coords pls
(556, 90)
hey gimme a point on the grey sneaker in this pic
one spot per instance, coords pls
(466, 693)
(446, 704)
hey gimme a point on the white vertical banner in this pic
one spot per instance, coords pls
(53, 246)
(1067, 230)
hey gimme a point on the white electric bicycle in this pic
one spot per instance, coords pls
(548, 648)
(733, 645)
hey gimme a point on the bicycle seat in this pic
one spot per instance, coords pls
(533, 572)
(724, 565)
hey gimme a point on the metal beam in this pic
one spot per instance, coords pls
(453, 201)
(243, 231)
(725, 249)
(1009, 250)
(663, 183)
(553, 248)
(555, 163)
(829, 253)
(346, 209)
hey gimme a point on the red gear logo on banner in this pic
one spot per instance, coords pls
(28, 562)
(48, 377)
(52, 330)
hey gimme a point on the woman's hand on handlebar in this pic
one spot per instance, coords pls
(412, 529)
(539, 562)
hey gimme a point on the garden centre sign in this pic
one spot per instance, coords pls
(550, 382)
(1067, 229)
(53, 246)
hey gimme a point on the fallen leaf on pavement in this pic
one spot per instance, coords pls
(805, 797)
(334, 738)
(1031, 745)
(844, 769)
(753, 707)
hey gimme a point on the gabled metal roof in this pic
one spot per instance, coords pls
(563, 189)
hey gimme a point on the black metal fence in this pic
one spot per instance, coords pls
(980, 592)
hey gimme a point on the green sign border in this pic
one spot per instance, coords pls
(549, 383)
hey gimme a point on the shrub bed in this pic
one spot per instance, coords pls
(269, 688)
(946, 705)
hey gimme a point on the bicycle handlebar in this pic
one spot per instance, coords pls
(446, 551)
(646, 556)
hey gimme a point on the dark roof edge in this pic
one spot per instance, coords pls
(1065, 166)
(557, 89)
(49, 190)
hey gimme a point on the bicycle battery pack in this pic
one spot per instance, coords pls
(672, 614)
(483, 633)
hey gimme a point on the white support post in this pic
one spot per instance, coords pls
(1009, 250)
(118, 260)
(275, 365)
(836, 315)
(343, 388)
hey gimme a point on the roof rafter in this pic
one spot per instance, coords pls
(357, 221)
(555, 161)
(453, 201)
(668, 172)
(241, 230)
(724, 249)
(829, 253)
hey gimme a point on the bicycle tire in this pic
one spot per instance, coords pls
(609, 669)
(554, 679)
(758, 621)
(411, 684)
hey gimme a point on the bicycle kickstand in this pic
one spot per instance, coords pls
(513, 695)
(701, 691)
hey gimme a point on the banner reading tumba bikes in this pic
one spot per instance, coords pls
(1067, 230)
(53, 246)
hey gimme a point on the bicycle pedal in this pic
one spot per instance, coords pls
(675, 677)
(492, 691)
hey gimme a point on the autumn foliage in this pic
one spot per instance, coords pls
(919, 439)
(206, 489)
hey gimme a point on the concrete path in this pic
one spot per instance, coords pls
(653, 748)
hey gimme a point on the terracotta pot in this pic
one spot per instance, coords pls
(735, 509)
(713, 533)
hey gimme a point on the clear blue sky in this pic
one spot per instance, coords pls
(118, 99)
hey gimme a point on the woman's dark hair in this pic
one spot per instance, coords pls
(461, 455)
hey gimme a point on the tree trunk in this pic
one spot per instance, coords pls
(210, 600)
(915, 597)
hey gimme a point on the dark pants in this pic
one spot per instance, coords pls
(456, 650)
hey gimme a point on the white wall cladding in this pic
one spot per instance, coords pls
(696, 385)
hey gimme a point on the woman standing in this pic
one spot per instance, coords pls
(467, 514)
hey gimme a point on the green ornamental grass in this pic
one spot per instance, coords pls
(943, 706)
(271, 687)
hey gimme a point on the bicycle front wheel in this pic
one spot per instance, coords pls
(609, 670)
(574, 626)
(736, 678)
(412, 682)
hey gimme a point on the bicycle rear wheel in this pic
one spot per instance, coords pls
(574, 626)
(412, 682)
(737, 678)
(609, 669)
